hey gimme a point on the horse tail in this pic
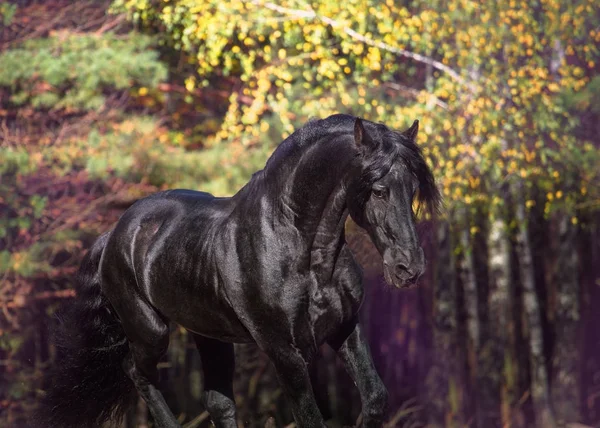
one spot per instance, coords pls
(87, 386)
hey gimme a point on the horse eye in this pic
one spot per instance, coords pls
(378, 192)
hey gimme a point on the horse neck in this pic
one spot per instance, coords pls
(317, 198)
(329, 233)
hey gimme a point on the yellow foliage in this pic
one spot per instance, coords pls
(300, 60)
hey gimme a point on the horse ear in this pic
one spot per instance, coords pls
(411, 133)
(361, 138)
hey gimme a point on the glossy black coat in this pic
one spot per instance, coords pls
(269, 265)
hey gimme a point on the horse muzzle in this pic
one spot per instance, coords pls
(405, 269)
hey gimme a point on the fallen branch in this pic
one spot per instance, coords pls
(20, 301)
(197, 420)
(401, 414)
(72, 9)
(109, 25)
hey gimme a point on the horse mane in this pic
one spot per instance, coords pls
(390, 147)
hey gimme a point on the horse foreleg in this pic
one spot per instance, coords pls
(218, 364)
(353, 350)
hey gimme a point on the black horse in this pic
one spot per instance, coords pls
(269, 265)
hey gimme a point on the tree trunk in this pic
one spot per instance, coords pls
(443, 379)
(589, 250)
(565, 385)
(471, 305)
(539, 373)
(498, 346)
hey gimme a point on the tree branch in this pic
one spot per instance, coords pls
(311, 14)
(415, 93)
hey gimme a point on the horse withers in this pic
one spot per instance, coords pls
(269, 265)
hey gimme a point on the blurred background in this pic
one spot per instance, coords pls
(104, 102)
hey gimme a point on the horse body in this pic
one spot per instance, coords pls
(238, 253)
(269, 265)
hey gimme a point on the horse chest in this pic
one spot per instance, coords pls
(335, 302)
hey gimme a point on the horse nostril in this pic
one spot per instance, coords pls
(404, 273)
(401, 270)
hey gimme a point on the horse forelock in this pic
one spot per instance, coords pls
(391, 147)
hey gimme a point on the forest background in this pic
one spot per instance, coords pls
(103, 102)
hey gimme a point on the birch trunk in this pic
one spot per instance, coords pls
(539, 373)
(565, 385)
(471, 298)
(565, 364)
(501, 359)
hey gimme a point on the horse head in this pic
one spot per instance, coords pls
(390, 174)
